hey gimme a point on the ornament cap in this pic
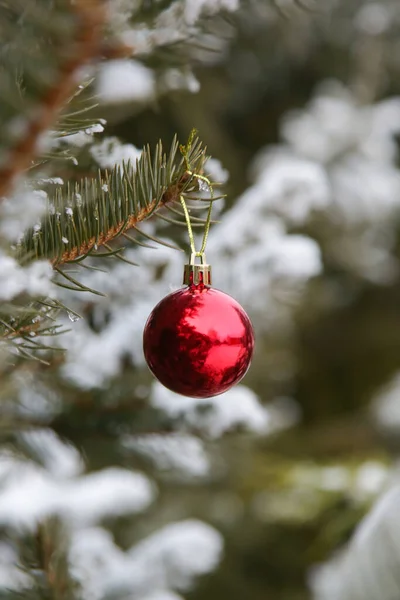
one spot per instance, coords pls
(196, 274)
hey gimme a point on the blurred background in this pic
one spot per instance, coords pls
(287, 486)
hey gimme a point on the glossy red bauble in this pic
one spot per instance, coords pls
(198, 341)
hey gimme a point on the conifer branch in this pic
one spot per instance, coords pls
(86, 217)
(45, 561)
(103, 209)
(90, 17)
(109, 235)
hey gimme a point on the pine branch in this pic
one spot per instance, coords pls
(90, 18)
(98, 212)
(103, 209)
(22, 326)
(45, 561)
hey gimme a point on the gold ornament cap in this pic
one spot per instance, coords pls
(196, 274)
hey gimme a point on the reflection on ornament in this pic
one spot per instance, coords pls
(198, 341)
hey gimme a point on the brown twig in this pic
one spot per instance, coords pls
(171, 195)
(116, 50)
(91, 17)
(52, 540)
(26, 329)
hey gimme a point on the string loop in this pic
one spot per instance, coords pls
(193, 250)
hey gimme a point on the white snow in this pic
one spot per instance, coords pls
(215, 171)
(335, 479)
(61, 459)
(50, 181)
(123, 80)
(296, 258)
(176, 79)
(331, 125)
(77, 140)
(35, 279)
(376, 200)
(30, 493)
(176, 452)
(371, 479)
(373, 18)
(291, 187)
(21, 211)
(238, 407)
(353, 143)
(111, 152)
(95, 559)
(269, 260)
(162, 595)
(90, 363)
(364, 569)
(386, 406)
(131, 294)
(177, 553)
(195, 8)
(348, 143)
(167, 560)
(11, 577)
(96, 128)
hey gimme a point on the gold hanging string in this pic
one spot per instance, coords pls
(193, 250)
(184, 151)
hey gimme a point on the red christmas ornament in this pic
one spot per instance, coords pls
(198, 341)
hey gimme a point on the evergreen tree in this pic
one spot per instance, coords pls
(111, 486)
(76, 206)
